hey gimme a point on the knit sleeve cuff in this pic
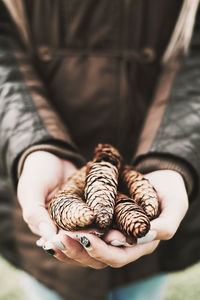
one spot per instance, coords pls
(74, 157)
(157, 161)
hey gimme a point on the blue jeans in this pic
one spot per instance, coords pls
(150, 289)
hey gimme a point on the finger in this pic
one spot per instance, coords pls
(51, 250)
(74, 251)
(149, 237)
(114, 256)
(115, 238)
(38, 220)
(173, 201)
(35, 213)
(170, 218)
(32, 202)
(73, 234)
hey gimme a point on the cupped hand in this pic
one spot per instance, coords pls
(43, 173)
(174, 204)
(173, 200)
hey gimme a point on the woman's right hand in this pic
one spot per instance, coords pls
(42, 175)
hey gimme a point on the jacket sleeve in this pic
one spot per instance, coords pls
(171, 135)
(27, 120)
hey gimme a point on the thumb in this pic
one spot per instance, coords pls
(38, 220)
(170, 218)
(32, 202)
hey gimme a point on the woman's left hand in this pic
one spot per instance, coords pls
(174, 204)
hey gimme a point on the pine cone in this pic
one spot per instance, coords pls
(130, 218)
(140, 189)
(101, 183)
(67, 208)
(106, 152)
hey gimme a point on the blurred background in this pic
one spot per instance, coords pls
(184, 285)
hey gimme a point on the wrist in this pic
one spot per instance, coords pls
(38, 160)
(64, 154)
(156, 161)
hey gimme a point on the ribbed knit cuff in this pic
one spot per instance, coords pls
(156, 161)
(57, 150)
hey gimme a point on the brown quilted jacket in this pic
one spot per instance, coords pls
(75, 73)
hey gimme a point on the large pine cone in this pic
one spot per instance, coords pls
(101, 183)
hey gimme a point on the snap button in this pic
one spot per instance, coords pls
(45, 53)
(148, 55)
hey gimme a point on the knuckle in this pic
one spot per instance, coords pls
(94, 253)
(72, 253)
(117, 264)
(96, 256)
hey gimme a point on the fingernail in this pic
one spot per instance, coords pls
(57, 244)
(40, 242)
(149, 237)
(48, 245)
(50, 251)
(99, 234)
(117, 243)
(83, 240)
(128, 245)
(46, 230)
(48, 248)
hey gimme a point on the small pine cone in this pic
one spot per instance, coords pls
(141, 191)
(130, 218)
(67, 209)
(101, 183)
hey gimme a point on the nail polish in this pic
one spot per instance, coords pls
(50, 251)
(83, 240)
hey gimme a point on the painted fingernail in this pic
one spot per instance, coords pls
(149, 237)
(117, 243)
(46, 230)
(50, 251)
(83, 240)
